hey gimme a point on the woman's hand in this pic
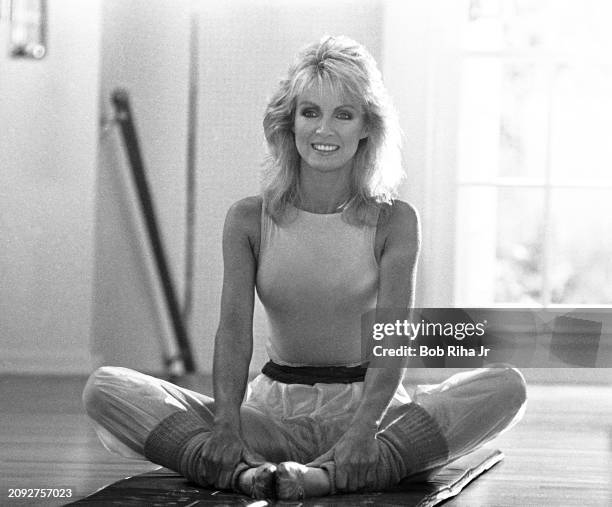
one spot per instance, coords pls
(356, 457)
(356, 454)
(222, 452)
(233, 343)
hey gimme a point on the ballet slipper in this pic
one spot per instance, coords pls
(295, 481)
(290, 481)
(259, 482)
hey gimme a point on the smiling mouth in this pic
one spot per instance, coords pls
(325, 148)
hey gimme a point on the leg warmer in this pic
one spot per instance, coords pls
(176, 443)
(410, 443)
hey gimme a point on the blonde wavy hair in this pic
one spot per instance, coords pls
(349, 69)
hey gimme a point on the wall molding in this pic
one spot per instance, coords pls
(41, 362)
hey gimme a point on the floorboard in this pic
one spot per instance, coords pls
(560, 454)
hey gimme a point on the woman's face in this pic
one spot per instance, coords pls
(327, 128)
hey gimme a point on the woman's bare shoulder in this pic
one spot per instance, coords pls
(398, 223)
(399, 215)
(246, 212)
(244, 218)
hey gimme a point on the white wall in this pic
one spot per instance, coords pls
(145, 50)
(77, 274)
(80, 237)
(246, 46)
(48, 142)
(421, 70)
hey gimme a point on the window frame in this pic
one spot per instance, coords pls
(550, 63)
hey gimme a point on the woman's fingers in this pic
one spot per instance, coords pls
(370, 481)
(352, 474)
(357, 481)
(341, 477)
(355, 476)
(210, 471)
(211, 467)
(224, 479)
(219, 463)
(324, 458)
(252, 459)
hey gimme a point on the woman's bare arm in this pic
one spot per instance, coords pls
(397, 278)
(233, 341)
(355, 454)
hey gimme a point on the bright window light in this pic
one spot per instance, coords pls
(534, 179)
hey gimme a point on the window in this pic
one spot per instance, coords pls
(534, 179)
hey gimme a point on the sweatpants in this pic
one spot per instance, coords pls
(143, 417)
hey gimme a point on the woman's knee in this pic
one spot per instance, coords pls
(511, 383)
(96, 391)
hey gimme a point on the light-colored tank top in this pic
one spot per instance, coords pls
(316, 276)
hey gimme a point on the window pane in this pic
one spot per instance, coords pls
(561, 26)
(581, 142)
(484, 28)
(476, 232)
(524, 121)
(503, 120)
(479, 116)
(581, 246)
(499, 239)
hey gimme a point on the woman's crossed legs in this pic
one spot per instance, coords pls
(143, 417)
(139, 416)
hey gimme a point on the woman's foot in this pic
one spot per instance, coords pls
(295, 481)
(258, 482)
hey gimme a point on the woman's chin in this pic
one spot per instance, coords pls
(326, 166)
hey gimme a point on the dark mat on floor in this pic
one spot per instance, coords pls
(164, 488)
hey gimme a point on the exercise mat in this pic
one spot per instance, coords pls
(163, 487)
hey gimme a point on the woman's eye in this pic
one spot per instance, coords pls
(344, 115)
(309, 113)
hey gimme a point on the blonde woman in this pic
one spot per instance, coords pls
(325, 242)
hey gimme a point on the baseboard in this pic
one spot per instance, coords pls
(44, 363)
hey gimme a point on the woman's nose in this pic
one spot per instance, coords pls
(324, 126)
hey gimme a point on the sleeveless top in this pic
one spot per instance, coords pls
(316, 276)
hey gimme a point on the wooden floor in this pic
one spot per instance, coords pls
(560, 454)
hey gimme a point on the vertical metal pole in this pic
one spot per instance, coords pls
(192, 131)
(120, 100)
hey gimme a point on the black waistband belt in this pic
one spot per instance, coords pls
(312, 375)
